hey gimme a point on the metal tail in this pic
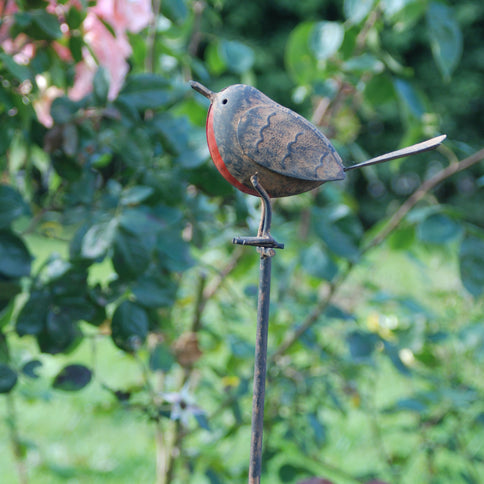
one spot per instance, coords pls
(409, 150)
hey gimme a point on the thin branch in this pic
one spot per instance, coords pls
(151, 39)
(326, 107)
(363, 35)
(177, 438)
(392, 224)
(200, 302)
(198, 8)
(310, 319)
(205, 293)
(420, 193)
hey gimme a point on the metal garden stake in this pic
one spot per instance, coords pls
(269, 151)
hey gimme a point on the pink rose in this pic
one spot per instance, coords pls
(131, 15)
(84, 76)
(110, 52)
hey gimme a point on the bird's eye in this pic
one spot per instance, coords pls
(225, 101)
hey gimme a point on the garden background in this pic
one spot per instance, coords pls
(127, 318)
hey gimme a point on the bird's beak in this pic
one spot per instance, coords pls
(205, 91)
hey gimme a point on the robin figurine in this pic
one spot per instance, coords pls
(250, 134)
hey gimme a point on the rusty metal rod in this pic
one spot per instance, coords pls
(265, 246)
(260, 365)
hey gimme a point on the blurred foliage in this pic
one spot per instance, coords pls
(373, 373)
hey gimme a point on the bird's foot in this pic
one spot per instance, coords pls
(264, 240)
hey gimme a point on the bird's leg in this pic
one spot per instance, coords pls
(263, 238)
(260, 232)
(266, 209)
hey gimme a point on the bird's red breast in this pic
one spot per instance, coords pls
(217, 157)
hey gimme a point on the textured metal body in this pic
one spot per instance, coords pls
(249, 133)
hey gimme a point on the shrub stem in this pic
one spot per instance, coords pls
(15, 441)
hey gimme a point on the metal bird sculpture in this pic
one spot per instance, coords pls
(250, 134)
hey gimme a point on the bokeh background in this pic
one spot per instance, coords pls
(127, 318)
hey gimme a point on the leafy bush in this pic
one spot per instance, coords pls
(115, 231)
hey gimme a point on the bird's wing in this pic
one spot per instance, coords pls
(286, 143)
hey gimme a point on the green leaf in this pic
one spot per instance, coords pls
(471, 262)
(47, 23)
(70, 141)
(319, 429)
(317, 263)
(75, 46)
(213, 59)
(74, 18)
(4, 349)
(135, 195)
(176, 10)
(9, 288)
(60, 334)
(290, 472)
(195, 152)
(132, 253)
(147, 91)
(238, 58)
(142, 221)
(445, 37)
(408, 404)
(72, 378)
(161, 358)
(364, 63)
(98, 239)
(208, 179)
(63, 110)
(202, 421)
(173, 251)
(101, 85)
(182, 139)
(154, 291)
(325, 39)
(409, 97)
(392, 7)
(379, 90)
(392, 352)
(12, 205)
(239, 347)
(15, 258)
(33, 316)
(213, 477)
(356, 10)
(129, 326)
(403, 238)
(361, 344)
(299, 59)
(438, 229)
(134, 147)
(8, 378)
(172, 130)
(30, 368)
(20, 72)
(337, 240)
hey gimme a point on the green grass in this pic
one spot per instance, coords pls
(84, 437)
